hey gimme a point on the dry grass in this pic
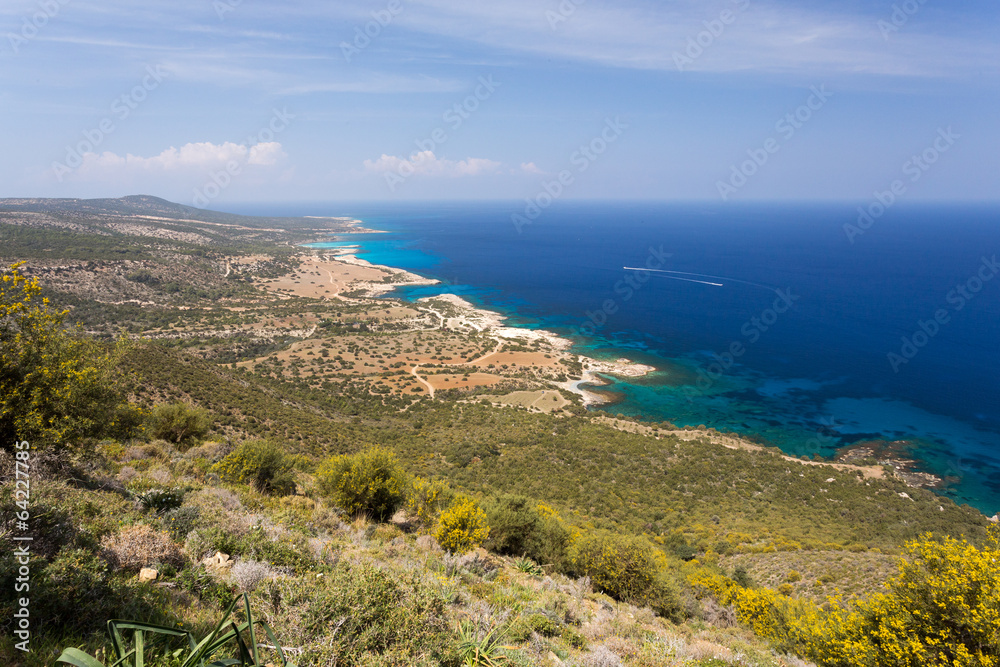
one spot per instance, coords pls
(140, 546)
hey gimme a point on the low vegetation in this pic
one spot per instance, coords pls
(357, 521)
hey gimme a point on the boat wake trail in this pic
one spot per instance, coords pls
(701, 275)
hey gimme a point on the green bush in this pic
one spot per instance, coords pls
(361, 615)
(371, 482)
(260, 463)
(629, 569)
(426, 499)
(161, 500)
(75, 594)
(179, 423)
(291, 551)
(517, 528)
(181, 521)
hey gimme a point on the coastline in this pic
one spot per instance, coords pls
(464, 316)
(455, 314)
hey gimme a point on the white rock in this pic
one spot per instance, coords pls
(148, 574)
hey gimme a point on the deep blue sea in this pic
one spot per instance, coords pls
(764, 319)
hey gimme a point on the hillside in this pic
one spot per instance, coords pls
(609, 542)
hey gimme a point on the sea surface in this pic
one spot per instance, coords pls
(771, 320)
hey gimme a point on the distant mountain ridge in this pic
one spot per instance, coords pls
(147, 205)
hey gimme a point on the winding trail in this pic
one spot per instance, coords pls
(430, 388)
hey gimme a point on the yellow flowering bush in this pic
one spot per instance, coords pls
(370, 482)
(427, 498)
(941, 609)
(462, 526)
(55, 388)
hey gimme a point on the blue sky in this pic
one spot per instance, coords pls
(213, 101)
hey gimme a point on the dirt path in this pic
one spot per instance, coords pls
(430, 387)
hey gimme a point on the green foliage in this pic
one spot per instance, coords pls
(362, 615)
(528, 566)
(742, 577)
(228, 637)
(263, 464)
(371, 482)
(253, 545)
(518, 528)
(160, 500)
(462, 526)
(76, 579)
(543, 625)
(426, 499)
(181, 521)
(179, 423)
(480, 648)
(55, 388)
(197, 580)
(627, 568)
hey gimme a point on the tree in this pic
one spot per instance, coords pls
(179, 423)
(57, 388)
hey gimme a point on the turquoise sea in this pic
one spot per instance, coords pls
(772, 320)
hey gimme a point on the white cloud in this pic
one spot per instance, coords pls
(530, 168)
(425, 163)
(192, 158)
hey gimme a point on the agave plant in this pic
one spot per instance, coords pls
(528, 566)
(227, 632)
(479, 649)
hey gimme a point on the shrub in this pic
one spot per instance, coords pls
(199, 581)
(180, 522)
(56, 388)
(179, 423)
(248, 574)
(74, 595)
(426, 499)
(370, 482)
(140, 546)
(291, 551)
(940, 609)
(462, 526)
(518, 528)
(627, 568)
(260, 463)
(160, 500)
(362, 615)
